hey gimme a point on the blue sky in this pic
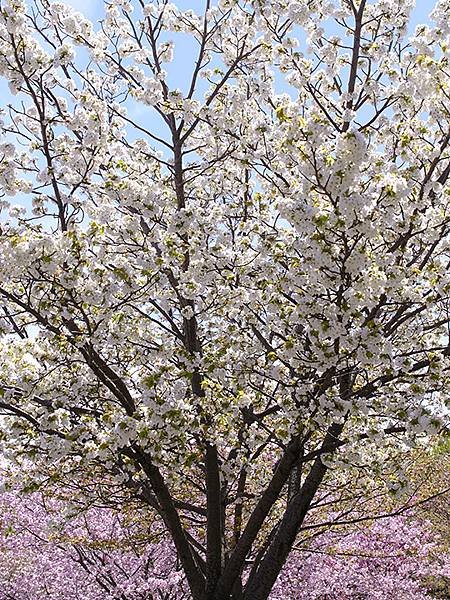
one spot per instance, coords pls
(93, 8)
(421, 11)
(179, 71)
(185, 51)
(185, 54)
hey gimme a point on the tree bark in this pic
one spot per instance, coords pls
(262, 581)
(271, 494)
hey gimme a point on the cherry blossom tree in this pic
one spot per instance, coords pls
(232, 297)
(48, 550)
(390, 559)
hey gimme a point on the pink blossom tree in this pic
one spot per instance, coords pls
(45, 552)
(390, 559)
